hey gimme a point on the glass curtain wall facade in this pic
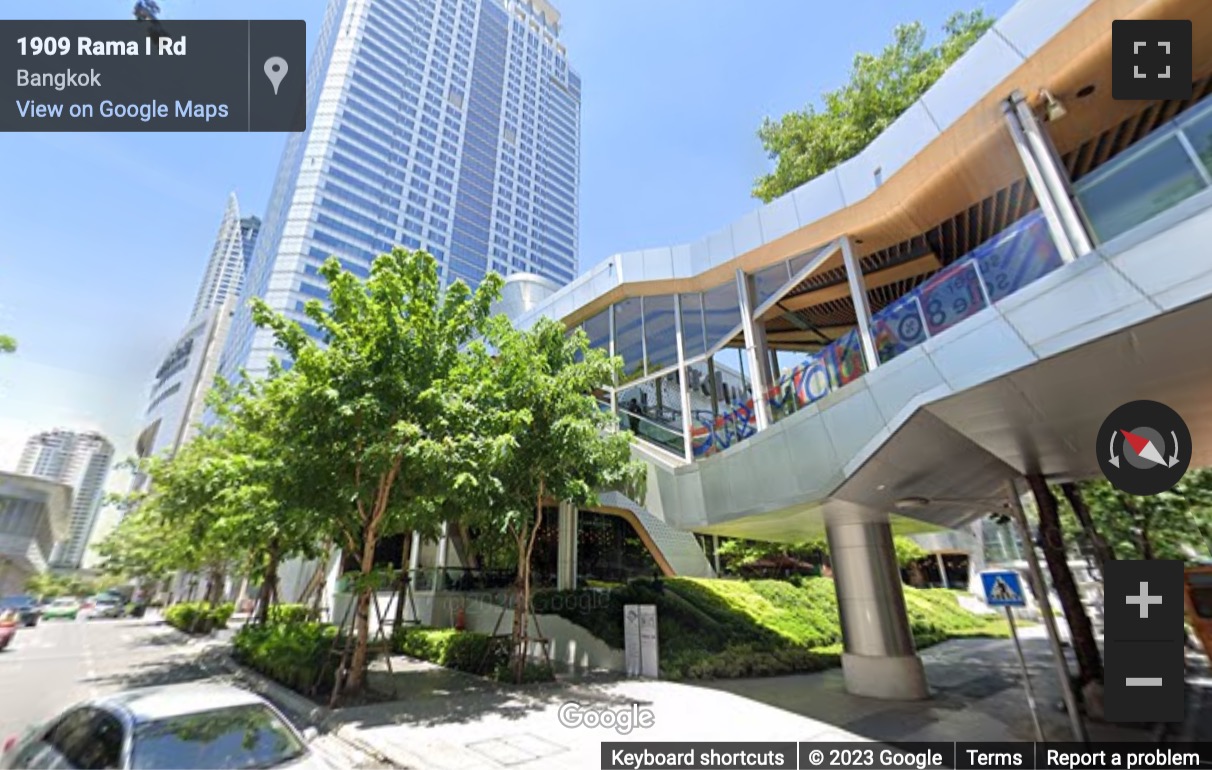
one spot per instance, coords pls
(451, 126)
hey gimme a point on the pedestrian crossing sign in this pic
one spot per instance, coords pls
(1003, 589)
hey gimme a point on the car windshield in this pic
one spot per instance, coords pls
(249, 736)
(63, 602)
(16, 602)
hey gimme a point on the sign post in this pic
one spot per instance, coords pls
(1005, 589)
(1045, 607)
(640, 640)
(649, 664)
(631, 638)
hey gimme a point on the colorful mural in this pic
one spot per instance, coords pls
(1019, 255)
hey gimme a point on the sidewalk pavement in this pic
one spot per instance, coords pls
(447, 720)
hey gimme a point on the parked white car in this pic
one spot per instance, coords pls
(198, 726)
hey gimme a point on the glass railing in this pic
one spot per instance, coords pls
(1157, 173)
(664, 436)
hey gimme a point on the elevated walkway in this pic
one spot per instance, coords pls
(1021, 386)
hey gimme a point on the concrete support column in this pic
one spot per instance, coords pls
(879, 659)
(862, 310)
(755, 349)
(566, 558)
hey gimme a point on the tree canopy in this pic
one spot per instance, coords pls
(7, 344)
(375, 419)
(1171, 525)
(806, 143)
(557, 444)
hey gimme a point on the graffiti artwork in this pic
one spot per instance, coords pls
(1016, 257)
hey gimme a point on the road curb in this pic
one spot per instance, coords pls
(316, 715)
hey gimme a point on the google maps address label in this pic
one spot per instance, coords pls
(133, 76)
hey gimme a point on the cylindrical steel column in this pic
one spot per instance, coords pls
(862, 310)
(1057, 185)
(755, 348)
(1035, 178)
(879, 658)
(683, 380)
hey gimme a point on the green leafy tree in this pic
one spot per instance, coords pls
(558, 444)
(807, 143)
(1171, 525)
(143, 547)
(267, 513)
(7, 344)
(368, 420)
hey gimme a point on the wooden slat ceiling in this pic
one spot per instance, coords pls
(819, 309)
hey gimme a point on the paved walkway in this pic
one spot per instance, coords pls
(445, 720)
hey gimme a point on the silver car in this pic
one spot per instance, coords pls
(197, 726)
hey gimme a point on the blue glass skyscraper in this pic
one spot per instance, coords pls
(447, 125)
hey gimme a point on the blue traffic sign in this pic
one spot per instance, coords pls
(1003, 589)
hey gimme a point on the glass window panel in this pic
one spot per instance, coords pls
(721, 313)
(1138, 186)
(629, 337)
(652, 410)
(768, 281)
(1198, 128)
(598, 331)
(692, 325)
(660, 332)
(797, 264)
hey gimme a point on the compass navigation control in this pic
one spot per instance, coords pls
(1144, 448)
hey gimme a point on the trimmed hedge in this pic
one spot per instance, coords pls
(198, 617)
(731, 628)
(467, 651)
(298, 655)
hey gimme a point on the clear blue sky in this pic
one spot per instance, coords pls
(104, 237)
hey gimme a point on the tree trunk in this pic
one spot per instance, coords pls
(268, 584)
(1102, 552)
(357, 667)
(519, 636)
(215, 585)
(1146, 543)
(1080, 631)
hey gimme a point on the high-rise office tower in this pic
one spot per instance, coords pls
(178, 392)
(447, 125)
(229, 259)
(82, 461)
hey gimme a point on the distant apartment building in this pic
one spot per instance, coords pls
(82, 461)
(446, 125)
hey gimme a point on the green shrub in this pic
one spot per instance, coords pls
(298, 655)
(461, 650)
(221, 614)
(191, 617)
(288, 613)
(728, 628)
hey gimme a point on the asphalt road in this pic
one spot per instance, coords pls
(61, 662)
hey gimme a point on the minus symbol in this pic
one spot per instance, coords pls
(1143, 681)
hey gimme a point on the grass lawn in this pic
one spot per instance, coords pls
(733, 628)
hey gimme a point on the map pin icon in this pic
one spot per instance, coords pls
(275, 70)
